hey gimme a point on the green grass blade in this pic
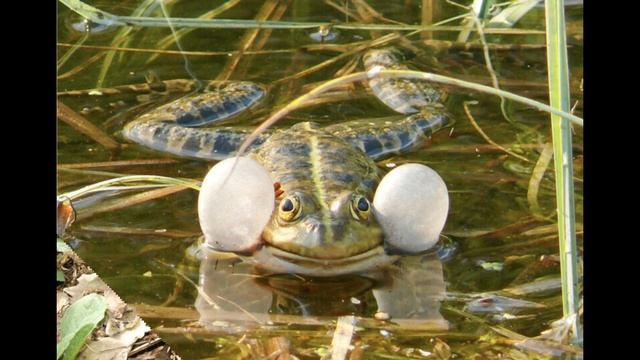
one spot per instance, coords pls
(559, 98)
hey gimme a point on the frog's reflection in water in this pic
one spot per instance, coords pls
(234, 295)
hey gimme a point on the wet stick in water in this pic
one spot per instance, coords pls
(247, 40)
(72, 50)
(342, 337)
(365, 16)
(343, 9)
(78, 68)
(428, 14)
(261, 41)
(179, 52)
(85, 127)
(171, 39)
(484, 136)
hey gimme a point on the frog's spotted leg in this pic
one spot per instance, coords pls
(423, 100)
(380, 137)
(402, 95)
(170, 128)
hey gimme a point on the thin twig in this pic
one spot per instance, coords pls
(485, 136)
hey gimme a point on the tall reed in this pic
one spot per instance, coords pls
(558, 70)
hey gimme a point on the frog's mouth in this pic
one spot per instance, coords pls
(272, 259)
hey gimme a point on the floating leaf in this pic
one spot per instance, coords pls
(116, 346)
(512, 14)
(78, 322)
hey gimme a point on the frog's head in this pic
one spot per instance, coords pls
(239, 213)
(341, 228)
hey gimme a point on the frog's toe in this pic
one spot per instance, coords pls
(235, 203)
(411, 204)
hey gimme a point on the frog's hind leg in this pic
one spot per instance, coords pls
(380, 137)
(173, 128)
(208, 143)
(221, 100)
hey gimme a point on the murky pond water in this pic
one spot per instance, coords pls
(496, 268)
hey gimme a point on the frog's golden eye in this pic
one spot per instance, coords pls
(289, 209)
(360, 208)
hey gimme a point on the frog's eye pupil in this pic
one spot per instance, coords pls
(287, 205)
(363, 204)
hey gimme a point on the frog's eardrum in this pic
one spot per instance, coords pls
(412, 204)
(235, 203)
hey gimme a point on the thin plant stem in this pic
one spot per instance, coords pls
(102, 17)
(557, 63)
(536, 177)
(407, 74)
(487, 60)
(187, 63)
(170, 39)
(71, 51)
(130, 179)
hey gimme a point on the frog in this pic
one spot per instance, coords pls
(310, 199)
(307, 210)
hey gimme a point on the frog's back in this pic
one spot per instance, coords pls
(306, 156)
